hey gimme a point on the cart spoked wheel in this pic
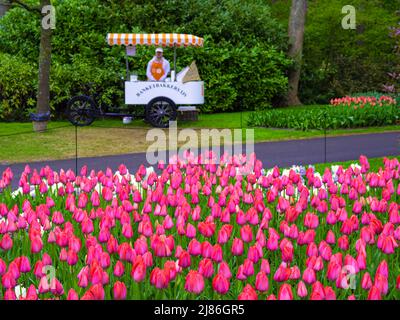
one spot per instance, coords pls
(81, 111)
(160, 111)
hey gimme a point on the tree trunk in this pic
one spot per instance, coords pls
(296, 37)
(43, 94)
(3, 7)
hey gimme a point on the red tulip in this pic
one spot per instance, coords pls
(265, 266)
(374, 294)
(97, 291)
(10, 295)
(381, 282)
(31, 293)
(8, 281)
(72, 295)
(119, 269)
(159, 278)
(194, 247)
(225, 270)
(246, 233)
(25, 266)
(309, 276)
(237, 247)
(295, 273)
(383, 269)
(206, 229)
(138, 272)
(206, 249)
(220, 284)
(248, 293)
(366, 282)
(216, 254)
(184, 260)
(206, 268)
(282, 274)
(3, 267)
(119, 291)
(46, 259)
(83, 278)
(171, 269)
(72, 258)
(285, 292)
(343, 243)
(287, 250)
(329, 294)
(194, 282)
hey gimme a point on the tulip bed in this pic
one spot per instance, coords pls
(342, 113)
(361, 102)
(202, 231)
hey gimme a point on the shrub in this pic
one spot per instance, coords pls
(17, 87)
(337, 62)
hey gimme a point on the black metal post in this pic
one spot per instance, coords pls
(127, 66)
(175, 59)
(76, 150)
(325, 137)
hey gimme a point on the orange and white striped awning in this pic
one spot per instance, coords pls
(157, 39)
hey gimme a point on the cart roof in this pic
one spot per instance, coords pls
(158, 39)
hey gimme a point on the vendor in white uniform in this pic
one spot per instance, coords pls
(158, 67)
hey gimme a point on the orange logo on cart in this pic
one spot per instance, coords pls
(157, 70)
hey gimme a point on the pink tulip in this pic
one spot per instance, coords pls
(159, 278)
(309, 276)
(374, 294)
(8, 281)
(206, 268)
(194, 282)
(72, 295)
(261, 282)
(285, 292)
(301, 289)
(225, 270)
(6, 243)
(220, 284)
(119, 291)
(138, 272)
(366, 281)
(248, 293)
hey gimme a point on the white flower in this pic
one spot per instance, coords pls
(20, 291)
(355, 165)
(16, 193)
(285, 172)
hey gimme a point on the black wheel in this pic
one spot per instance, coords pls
(160, 111)
(81, 111)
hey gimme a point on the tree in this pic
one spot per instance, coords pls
(43, 93)
(3, 7)
(296, 36)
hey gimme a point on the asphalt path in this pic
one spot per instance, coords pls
(280, 153)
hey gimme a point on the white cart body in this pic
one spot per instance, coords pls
(142, 92)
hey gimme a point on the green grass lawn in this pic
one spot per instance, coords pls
(18, 142)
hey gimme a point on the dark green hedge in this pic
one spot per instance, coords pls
(243, 62)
